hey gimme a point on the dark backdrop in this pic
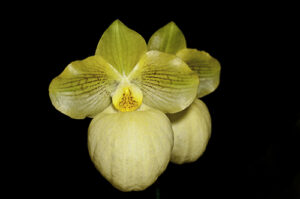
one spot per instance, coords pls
(254, 147)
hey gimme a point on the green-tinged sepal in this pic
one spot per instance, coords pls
(167, 83)
(84, 88)
(121, 47)
(167, 39)
(207, 68)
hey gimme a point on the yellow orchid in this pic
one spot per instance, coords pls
(126, 89)
(191, 127)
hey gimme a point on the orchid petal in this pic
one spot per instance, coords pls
(207, 68)
(167, 83)
(83, 89)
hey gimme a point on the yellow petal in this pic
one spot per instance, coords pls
(130, 149)
(192, 130)
(167, 83)
(83, 89)
(207, 68)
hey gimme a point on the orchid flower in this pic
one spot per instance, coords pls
(192, 126)
(127, 90)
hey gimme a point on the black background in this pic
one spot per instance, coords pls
(254, 148)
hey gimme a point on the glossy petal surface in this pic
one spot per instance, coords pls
(83, 89)
(207, 68)
(167, 83)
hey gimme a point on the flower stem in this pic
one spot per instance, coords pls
(157, 192)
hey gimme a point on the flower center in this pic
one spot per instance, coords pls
(127, 98)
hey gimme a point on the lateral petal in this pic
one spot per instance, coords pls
(167, 83)
(83, 89)
(207, 68)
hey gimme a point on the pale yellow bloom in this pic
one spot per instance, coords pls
(126, 89)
